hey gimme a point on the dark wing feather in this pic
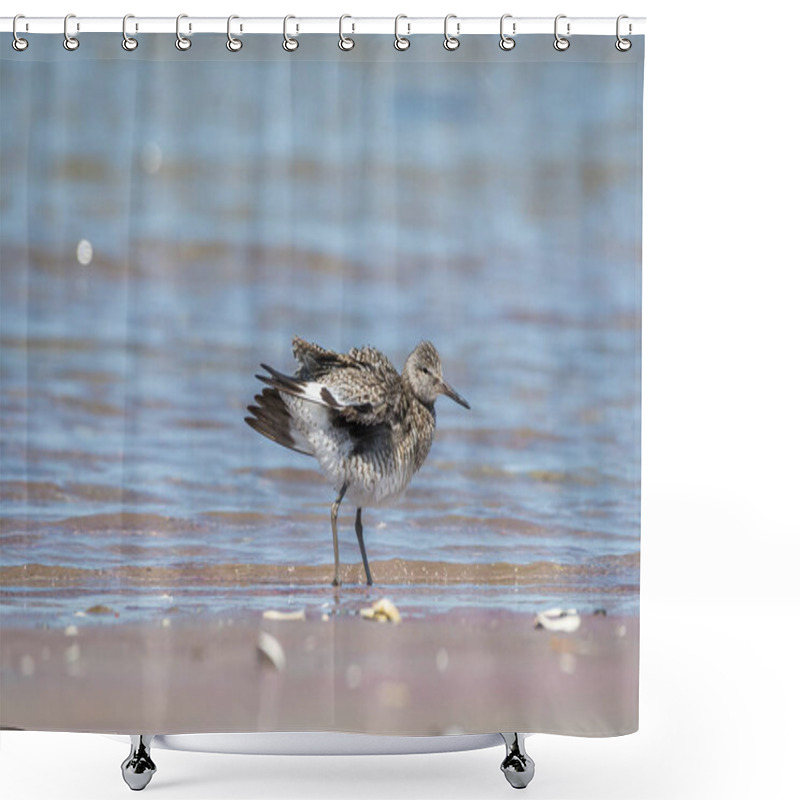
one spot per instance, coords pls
(361, 386)
(271, 418)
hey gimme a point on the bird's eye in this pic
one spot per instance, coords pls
(426, 370)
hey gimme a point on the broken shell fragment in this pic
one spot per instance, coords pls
(383, 610)
(558, 619)
(271, 651)
(284, 615)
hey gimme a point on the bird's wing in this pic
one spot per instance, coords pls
(362, 387)
(271, 418)
(312, 359)
(368, 386)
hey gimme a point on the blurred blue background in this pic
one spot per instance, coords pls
(169, 221)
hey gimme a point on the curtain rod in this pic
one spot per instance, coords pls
(408, 26)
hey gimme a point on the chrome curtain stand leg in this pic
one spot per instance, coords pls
(517, 766)
(138, 768)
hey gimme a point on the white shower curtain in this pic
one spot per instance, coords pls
(171, 220)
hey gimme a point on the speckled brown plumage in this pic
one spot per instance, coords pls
(369, 426)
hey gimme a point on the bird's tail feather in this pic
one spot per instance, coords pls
(272, 419)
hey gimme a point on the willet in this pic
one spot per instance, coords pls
(369, 427)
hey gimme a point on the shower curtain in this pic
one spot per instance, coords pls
(176, 223)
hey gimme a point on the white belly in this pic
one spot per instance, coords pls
(373, 479)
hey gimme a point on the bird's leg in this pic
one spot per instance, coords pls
(334, 515)
(360, 534)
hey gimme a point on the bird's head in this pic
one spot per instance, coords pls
(423, 370)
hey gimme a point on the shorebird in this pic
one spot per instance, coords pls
(369, 427)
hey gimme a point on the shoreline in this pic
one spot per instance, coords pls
(391, 571)
(449, 673)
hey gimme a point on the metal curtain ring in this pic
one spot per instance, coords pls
(289, 43)
(345, 43)
(400, 42)
(181, 42)
(233, 44)
(70, 42)
(507, 42)
(451, 42)
(623, 45)
(18, 43)
(128, 42)
(560, 43)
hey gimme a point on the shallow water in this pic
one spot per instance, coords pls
(218, 231)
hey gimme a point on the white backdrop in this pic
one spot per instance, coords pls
(721, 539)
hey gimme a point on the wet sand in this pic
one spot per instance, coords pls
(448, 673)
(55, 596)
(566, 578)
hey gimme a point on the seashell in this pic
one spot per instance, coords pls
(271, 651)
(558, 619)
(284, 615)
(383, 610)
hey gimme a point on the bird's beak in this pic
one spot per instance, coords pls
(453, 395)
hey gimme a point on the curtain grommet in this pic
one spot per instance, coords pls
(233, 44)
(346, 43)
(18, 43)
(622, 44)
(182, 42)
(129, 43)
(507, 42)
(451, 42)
(561, 43)
(71, 43)
(290, 44)
(401, 43)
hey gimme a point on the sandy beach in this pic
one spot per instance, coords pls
(449, 673)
